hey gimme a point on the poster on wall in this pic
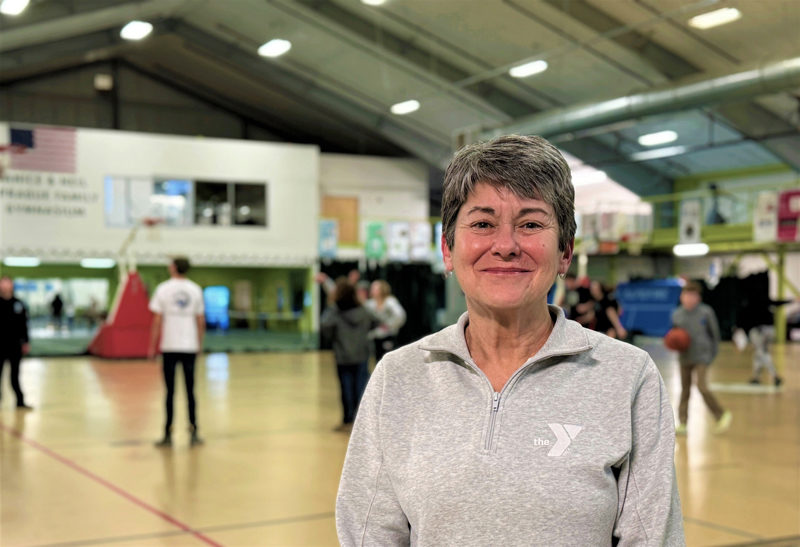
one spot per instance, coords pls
(328, 238)
(789, 215)
(399, 241)
(421, 241)
(765, 217)
(690, 219)
(375, 241)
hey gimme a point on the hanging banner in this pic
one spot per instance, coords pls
(375, 241)
(421, 241)
(765, 217)
(399, 241)
(789, 216)
(690, 221)
(328, 238)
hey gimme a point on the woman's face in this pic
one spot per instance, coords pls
(375, 291)
(505, 254)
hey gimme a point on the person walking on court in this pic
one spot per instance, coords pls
(13, 336)
(700, 322)
(387, 308)
(177, 305)
(346, 322)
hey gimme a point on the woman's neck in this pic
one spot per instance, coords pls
(500, 343)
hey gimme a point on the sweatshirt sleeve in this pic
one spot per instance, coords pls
(649, 510)
(367, 509)
(398, 314)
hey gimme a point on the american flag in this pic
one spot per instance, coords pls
(50, 149)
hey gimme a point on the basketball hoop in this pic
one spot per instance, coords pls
(635, 242)
(152, 224)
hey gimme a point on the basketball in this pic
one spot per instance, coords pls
(677, 339)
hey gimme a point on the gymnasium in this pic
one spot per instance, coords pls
(286, 148)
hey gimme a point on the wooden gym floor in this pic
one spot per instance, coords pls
(81, 468)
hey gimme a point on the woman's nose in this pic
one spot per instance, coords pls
(505, 241)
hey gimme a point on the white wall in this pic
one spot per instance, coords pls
(387, 188)
(291, 172)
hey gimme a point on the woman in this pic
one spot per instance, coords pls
(389, 312)
(347, 324)
(514, 426)
(606, 311)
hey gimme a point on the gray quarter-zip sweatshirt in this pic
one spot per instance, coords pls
(576, 449)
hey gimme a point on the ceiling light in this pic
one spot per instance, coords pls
(690, 249)
(103, 82)
(588, 176)
(373, 2)
(658, 153)
(715, 18)
(406, 107)
(659, 137)
(98, 263)
(274, 48)
(528, 69)
(13, 7)
(136, 30)
(22, 261)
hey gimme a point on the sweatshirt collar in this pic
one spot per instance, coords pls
(566, 338)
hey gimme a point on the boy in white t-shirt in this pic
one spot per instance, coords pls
(177, 305)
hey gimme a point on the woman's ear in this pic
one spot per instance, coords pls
(448, 259)
(566, 257)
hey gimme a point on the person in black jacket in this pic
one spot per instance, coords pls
(347, 324)
(13, 336)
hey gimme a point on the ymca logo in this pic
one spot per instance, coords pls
(565, 434)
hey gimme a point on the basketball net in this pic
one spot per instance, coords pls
(152, 226)
(635, 242)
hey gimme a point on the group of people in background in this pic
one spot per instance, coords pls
(361, 319)
(592, 304)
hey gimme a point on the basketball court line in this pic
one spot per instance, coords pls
(721, 528)
(792, 541)
(218, 528)
(747, 389)
(116, 489)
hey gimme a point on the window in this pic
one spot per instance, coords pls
(250, 204)
(212, 204)
(181, 202)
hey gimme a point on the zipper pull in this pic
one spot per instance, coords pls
(495, 401)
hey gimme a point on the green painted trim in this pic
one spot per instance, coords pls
(692, 182)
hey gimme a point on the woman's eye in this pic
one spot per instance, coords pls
(481, 225)
(531, 225)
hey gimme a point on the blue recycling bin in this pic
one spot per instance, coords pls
(647, 305)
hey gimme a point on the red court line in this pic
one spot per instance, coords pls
(116, 489)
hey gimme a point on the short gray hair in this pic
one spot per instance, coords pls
(530, 167)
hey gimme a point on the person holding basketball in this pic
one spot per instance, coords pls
(700, 322)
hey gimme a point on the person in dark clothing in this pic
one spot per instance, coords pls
(606, 311)
(57, 307)
(577, 302)
(13, 336)
(347, 323)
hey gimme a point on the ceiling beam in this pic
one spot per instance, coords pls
(88, 22)
(770, 78)
(295, 82)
